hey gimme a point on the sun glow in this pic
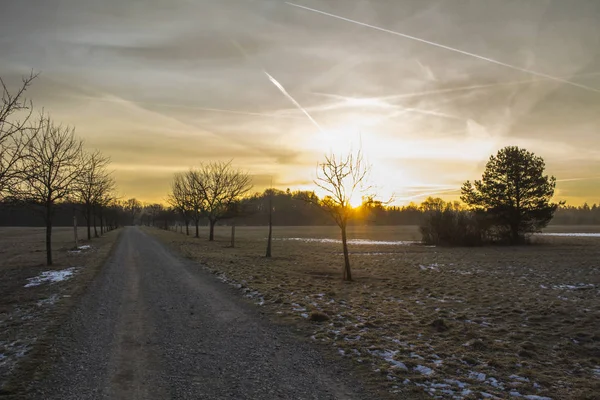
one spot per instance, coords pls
(383, 179)
(356, 200)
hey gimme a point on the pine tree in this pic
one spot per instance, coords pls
(513, 193)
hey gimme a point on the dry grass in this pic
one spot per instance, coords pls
(445, 321)
(28, 314)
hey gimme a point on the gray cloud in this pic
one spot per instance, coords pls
(160, 84)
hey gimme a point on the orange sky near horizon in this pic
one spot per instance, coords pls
(428, 89)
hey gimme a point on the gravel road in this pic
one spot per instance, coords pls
(156, 326)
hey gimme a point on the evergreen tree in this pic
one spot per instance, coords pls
(514, 194)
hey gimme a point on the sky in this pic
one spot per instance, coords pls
(429, 89)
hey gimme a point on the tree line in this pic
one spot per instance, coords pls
(44, 165)
(511, 201)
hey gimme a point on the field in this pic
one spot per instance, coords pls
(490, 322)
(34, 297)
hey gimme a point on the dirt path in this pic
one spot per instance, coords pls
(154, 326)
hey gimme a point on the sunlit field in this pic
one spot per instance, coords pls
(448, 322)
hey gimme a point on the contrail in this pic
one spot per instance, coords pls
(450, 90)
(591, 178)
(440, 91)
(280, 87)
(491, 60)
(286, 94)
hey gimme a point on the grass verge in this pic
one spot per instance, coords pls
(32, 315)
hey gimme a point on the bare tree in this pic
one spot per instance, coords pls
(195, 197)
(341, 177)
(179, 199)
(103, 197)
(51, 168)
(90, 185)
(221, 187)
(133, 207)
(14, 133)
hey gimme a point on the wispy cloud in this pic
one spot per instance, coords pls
(490, 60)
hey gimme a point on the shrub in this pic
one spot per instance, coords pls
(451, 227)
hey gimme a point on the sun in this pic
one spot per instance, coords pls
(356, 200)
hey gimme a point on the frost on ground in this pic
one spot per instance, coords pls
(11, 353)
(486, 323)
(51, 277)
(80, 249)
(570, 234)
(578, 286)
(432, 267)
(363, 242)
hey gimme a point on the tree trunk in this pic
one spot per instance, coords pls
(48, 234)
(515, 235)
(187, 228)
(211, 235)
(95, 228)
(233, 234)
(268, 255)
(347, 271)
(75, 236)
(197, 231)
(88, 213)
(101, 222)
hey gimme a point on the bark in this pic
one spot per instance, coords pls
(347, 271)
(101, 222)
(95, 228)
(268, 255)
(48, 234)
(88, 214)
(211, 235)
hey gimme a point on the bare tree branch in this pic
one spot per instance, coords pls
(14, 133)
(51, 169)
(341, 177)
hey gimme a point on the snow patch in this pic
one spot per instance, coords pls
(573, 234)
(354, 241)
(388, 355)
(461, 385)
(49, 301)
(479, 376)
(577, 286)
(518, 378)
(51, 277)
(432, 267)
(423, 370)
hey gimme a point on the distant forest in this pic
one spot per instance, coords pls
(289, 209)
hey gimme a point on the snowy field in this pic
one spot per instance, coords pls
(31, 291)
(460, 323)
